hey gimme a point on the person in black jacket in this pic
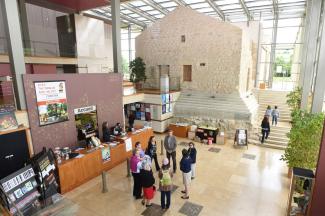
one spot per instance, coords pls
(185, 166)
(147, 181)
(152, 151)
(265, 128)
(192, 152)
(106, 133)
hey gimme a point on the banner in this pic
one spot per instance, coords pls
(51, 102)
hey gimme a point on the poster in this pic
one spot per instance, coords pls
(106, 154)
(8, 121)
(128, 144)
(51, 102)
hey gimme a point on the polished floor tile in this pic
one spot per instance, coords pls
(226, 184)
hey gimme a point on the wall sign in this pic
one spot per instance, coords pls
(84, 110)
(51, 102)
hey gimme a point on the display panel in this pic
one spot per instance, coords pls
(51, 102)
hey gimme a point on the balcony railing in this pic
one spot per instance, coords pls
(154, 84)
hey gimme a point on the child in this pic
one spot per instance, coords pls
(138, 147)
(275, 115)
(165, 183)
(192, 152)
(185, 166)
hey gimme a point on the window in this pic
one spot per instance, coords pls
(187, 73)
(183, 38)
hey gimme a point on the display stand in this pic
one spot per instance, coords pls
(241, 138)
(206, 132)
(19, 190)
(301, 186)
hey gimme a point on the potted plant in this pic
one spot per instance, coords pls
(304, 140)
(138, 72)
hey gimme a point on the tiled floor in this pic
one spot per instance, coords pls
(226, 184)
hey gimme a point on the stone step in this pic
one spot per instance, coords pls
(193, 105)
(266, 145)
(278, 138)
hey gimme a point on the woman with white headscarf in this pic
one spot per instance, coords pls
(147, 181)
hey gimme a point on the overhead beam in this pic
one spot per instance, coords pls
(127, 18)
(248, 14)
(181, 3)
(216, 8)
(156, 6)
(139, 12)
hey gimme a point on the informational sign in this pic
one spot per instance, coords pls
(106, 154)
(84, 110)
(51, 102)
(128, 144)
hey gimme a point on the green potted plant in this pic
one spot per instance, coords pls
(138, 71)
(304, 140)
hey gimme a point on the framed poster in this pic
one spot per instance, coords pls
(128, 144)
(106, 154)
(51, 102)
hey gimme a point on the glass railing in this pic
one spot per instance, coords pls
(154, 84)
(41, 48)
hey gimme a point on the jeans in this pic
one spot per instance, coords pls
(173, 155)
(136, 185)
(275, 120)
(156, 161)
(193, 169)
(265, 134)
(165, 195)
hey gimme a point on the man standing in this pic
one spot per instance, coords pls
(170, 146)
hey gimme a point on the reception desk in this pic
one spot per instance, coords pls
(74, 172)
(179, 130)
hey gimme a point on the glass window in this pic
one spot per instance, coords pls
(201, 5)
(169, 4)
(137, 3)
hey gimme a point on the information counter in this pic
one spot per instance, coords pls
(179, 130)
(76, 171)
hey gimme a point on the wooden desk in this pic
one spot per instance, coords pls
(179, 130)
(74, 172)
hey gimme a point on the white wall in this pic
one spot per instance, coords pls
(94, 45)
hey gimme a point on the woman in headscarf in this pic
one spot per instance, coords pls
(147, 181)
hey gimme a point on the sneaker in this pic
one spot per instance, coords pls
(185, 197)
(183, 191)
(148, 205)
(192, 178)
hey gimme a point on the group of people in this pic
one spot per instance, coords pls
(144, 180)
(265, 125)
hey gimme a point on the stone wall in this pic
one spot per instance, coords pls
(208, 41)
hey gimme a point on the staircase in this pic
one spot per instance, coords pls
(277, 138)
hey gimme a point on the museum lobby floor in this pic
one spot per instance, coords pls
(228, 183)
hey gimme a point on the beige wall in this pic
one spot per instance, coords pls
(217, 44)
(94, 45)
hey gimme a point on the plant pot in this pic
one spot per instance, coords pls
(138, 85)
(289, 172)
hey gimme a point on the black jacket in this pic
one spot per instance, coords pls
(151, 150)
(266, 125)
(192, 153)
(185, 164)
(146, 178)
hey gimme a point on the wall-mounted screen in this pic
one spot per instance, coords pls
(51, 101)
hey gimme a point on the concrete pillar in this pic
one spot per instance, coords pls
(15, 48)
(319, 87)
(273, 46)
(129, 41)
(116, 29)
(311, 51)
(258, 60)
(305, 43)
(24, 27)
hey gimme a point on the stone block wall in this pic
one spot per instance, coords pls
(213, 48)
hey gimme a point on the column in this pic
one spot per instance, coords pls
(258, 62)
(15, 48)
(311, 51)
(305, 45)
(24, 27)
(319, 87)
(116, 29)
(273, 47)
(129, 41)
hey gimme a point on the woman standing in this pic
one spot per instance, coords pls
(165, 184)
(135, 164)
(185, 166)
(192, 152)
(265, 128)
(152, 151)
(147, 181)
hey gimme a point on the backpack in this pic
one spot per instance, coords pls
(166, 180)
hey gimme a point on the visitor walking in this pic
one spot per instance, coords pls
(170, 146)
(185, 166)
(135, 165)
(165, 184)
(265, 128)
(147, 182)
(152, 151)
(192, 152)
(275, 115)
(268, 112)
